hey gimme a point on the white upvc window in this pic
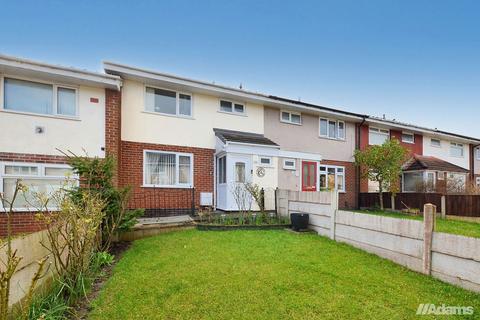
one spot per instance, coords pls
(291, 117)
(232, 107)
(477, 181)
(45, 179)
(332, 129)
(377, 136)
(289, 164)
(331, 178)
(168, 102)
(435, 143)
(419, 181)
(38, 97)
(265, 161)
(456, 150)
(408, 137)
(167, 169)
(477, 153)
(222, 170)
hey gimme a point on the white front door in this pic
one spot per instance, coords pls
(239, 172)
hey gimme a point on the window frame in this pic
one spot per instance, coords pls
(287, 167)
(177, 102)
(337, 129)
(459, 146)
(435, 146)
(222, 174)
(233, 102)
(289, 121)
(55, 86)
(404, 133)
(270, 161)
(377, 130)
(41, 168)
(337, 173)
(477, 153)
(177, 170)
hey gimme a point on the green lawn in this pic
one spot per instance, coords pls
(463, 228)
(264, 275)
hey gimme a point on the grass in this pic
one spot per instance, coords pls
(264, 275)
(463, 228)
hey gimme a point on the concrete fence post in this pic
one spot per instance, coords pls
(429, 214)
(444, 207)
(392, 199)
(334, 207)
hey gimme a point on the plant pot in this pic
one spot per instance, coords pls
(299, 221)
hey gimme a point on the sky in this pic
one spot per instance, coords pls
(414, 61)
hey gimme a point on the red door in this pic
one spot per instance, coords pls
(309, 176)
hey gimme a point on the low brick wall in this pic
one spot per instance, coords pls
(22, 223)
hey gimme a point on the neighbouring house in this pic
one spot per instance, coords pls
(44, 109)
(454, 151)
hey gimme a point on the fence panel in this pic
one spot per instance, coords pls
(371, 200)
(463, 205)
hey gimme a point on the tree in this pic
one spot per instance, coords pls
(383, 164)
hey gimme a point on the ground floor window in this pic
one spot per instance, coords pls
(412, 181)
(331, 178)
(167, 169)
(45, 179)
(222, 169)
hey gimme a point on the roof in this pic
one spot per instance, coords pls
(29, 68)
(418, 162)
(410, 126)
(242, 137)
(165, 79)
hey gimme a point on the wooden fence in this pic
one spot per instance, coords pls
(455, 204)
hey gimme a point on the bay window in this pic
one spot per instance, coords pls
(332, 129)
(40, 179)
(168, 102)
(40, 98)
(167, 169)
(331, 178)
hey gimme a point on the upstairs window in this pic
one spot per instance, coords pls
(291, 117)
(232, 107)
(435, 143)
(40, 98)
(408, 137)
(456, 150)
(332, 129)
(168, 102)
(377, 136)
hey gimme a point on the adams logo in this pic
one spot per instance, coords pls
(430, 308)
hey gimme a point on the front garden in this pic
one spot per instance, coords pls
(272, 274)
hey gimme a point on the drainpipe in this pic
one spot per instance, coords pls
(357, 169)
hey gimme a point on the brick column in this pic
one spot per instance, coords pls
(113, 125)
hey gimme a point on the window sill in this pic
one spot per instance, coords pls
(52, 116)
(408, 142)
(233, 113)
(154, 186)
(333, 139)
(288, 122)
(28, 210)
(169, 115)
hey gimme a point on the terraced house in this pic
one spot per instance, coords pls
(46, 110)
(182, 143)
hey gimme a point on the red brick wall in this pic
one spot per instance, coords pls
(113, 102)
(413, 148)
(131, 174)
(348, 199)
(25, 222)
(364, 142)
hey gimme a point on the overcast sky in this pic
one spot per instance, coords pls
(415, 61)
